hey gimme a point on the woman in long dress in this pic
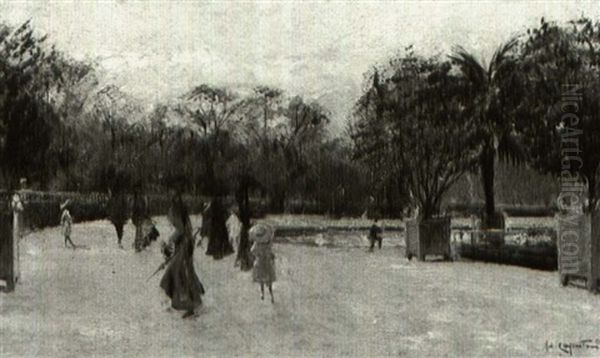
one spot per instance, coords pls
(215, 218)
(180, 281)
(118, 213)
(139, 213)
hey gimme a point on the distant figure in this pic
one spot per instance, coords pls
(180, 281)
(263, 271)
(243, 256)
(117, 213)
(145, 230)
(375, 235)
(214, 217)
(233, 228)
(139, 214)
(150, 234)
(17, 209)
(66, 221)
(455, 246)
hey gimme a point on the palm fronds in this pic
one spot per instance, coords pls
(471, 68)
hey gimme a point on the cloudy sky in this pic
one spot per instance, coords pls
(158, 49)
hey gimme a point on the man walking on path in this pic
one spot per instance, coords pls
(375, 235)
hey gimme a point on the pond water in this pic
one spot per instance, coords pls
(339, 238)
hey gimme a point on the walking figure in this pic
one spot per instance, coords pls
(263, 271)
(180, 281)
(375, 235)
(215, 228)
(117, 213)
(66, 221)
(145, 230)
(18, 210)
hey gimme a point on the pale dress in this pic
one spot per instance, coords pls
(66, 221)
(17, 207)
(234, 228)
(264, 263)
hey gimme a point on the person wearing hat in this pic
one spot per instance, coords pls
(66, 221)
(263, 270)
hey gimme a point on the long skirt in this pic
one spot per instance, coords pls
(181, 283)
(218, 241)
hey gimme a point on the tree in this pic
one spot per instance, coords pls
(283, 130)
(118, 115)
(338, 184)
(560, 121)
(211, 110)
(299, 132)
(493, 97)
(421, 106)
(255, 133)
(372, 138)
(27, 121)
(69, 99)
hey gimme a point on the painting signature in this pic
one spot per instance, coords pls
(569, 347)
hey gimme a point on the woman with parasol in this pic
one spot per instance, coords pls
(180, 281)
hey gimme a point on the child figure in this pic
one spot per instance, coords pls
(66, 221)
(263, 271)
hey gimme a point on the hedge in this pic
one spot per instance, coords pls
(510, 210)
(42, 209)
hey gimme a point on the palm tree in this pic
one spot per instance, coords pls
(493, 93)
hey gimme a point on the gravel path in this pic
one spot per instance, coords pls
(329, 302)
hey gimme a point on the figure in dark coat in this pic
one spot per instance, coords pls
(145, 230)
(375, 235)
(138, 216)
(215, 218)
(118, 213)
(180, 281)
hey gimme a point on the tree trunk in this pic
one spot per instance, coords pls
(391, 205)
(210, 178)
(487, 177)
(429, 209)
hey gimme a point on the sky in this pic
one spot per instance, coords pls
(156, 50)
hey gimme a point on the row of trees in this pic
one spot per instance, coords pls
(420, 124)
(425, 121)
(64, 128)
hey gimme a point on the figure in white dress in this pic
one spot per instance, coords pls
(17, 209)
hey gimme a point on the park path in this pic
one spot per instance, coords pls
(329, 302)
